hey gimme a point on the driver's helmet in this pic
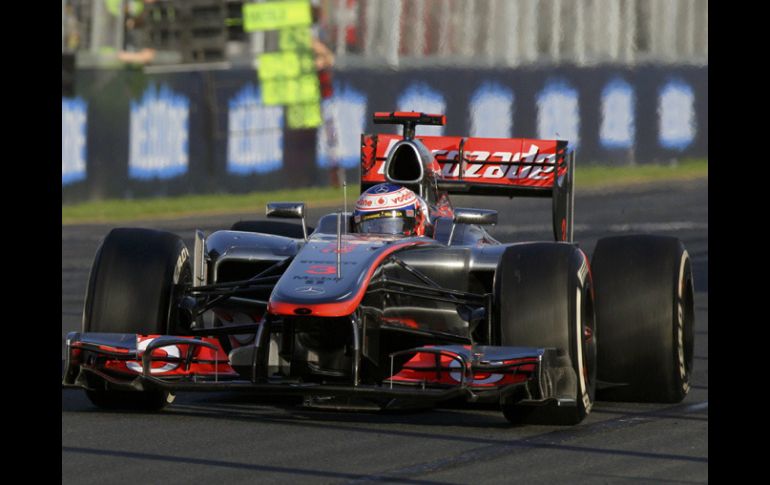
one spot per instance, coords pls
(390, 209)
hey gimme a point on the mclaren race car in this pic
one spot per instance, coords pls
(346, 318)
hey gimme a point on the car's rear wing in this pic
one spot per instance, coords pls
(520, 167)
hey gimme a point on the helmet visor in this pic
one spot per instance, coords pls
(390, 222)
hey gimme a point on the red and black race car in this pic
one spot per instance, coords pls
(346, 319)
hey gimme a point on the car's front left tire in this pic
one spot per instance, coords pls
(133, 288)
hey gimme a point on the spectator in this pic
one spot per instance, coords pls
(133, 40)
(324, 61)
(301, 144)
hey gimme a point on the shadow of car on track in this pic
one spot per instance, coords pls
(249, 408)
(245, 407)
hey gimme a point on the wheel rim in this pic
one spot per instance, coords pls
(684, 332)
(588, 340)
(184, 280)
(585, 340)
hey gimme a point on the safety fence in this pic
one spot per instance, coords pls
(401, 34)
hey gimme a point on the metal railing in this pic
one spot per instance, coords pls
(475, 33)
(511, 33)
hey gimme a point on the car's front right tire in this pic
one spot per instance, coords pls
(645, 313)
(543, 296)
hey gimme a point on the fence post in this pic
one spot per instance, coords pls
(556, 31)
(370, 26)
(393, 31)
(580, 34)
(526, 29)
(418, 38)
(629, 31)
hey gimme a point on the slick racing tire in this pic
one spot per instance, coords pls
(543, 297)
(133, 288)
(644, 311)
(286, 229)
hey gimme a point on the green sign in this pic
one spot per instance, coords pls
(113, 6)
(136, 7)
(309, 90)
(287, 77)
(276, 92)
(294, 39)
(303, 89)
(306, 115)
(274, 65)
(276, 15)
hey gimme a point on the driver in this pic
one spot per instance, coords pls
(390, 209)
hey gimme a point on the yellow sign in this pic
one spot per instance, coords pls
(276, 15)
(275, 65)
(278, 92)
(307, 63)
(309, 90)
(303, 89)
(303, 115)
(287, 77)
(294, 39)
(113, 6)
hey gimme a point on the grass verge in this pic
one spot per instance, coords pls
(596, 176)
(588, 177)
(114, 210)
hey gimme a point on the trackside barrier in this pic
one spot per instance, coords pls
(129, 134)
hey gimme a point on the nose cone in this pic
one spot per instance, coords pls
(319, 283)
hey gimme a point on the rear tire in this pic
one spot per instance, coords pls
(133, 286)
(645, 310)
(544, 298)
(276, 228)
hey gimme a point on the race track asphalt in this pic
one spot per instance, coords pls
(222, 438)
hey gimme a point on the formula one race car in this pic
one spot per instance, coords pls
(405, 301)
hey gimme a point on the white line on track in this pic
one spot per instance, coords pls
(697, 407)
(556, 440)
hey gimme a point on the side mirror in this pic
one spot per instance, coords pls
(482, 217)
(288, 210)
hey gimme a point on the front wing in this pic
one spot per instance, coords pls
(524, 375)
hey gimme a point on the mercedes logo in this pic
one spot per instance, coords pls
(309, 290)
(382, 189)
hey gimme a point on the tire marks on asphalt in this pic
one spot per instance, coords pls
(232, 465)
(554, 441)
